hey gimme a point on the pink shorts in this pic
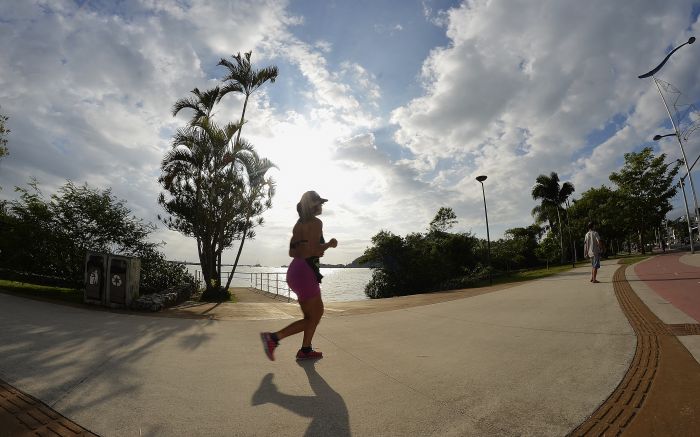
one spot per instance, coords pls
(302, 280)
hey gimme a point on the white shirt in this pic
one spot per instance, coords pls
(591, 244)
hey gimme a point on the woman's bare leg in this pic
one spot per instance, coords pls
(313, 308)
(292, 328)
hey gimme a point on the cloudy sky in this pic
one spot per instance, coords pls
(389, 108)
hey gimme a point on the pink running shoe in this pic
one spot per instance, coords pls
(313, 355)
(269, 345)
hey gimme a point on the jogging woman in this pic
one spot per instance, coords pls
(306, 248)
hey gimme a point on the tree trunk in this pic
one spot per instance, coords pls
(222, 230)
(249, 206)
(571, 241)
(238, 255)
(240, 128)
(561, 239)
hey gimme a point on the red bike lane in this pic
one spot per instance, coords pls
(676, 282)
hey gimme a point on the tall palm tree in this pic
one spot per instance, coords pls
(243, 78)
(551, 195)
(195, 174)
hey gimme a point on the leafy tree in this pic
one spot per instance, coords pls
(526, 240)
(645, 184)
(547, 250)
(215, 185)
(606, 208)
(508, 252)
(50, 237)
(419, 263)
(551, 196)
(444, 220)
(192, 174)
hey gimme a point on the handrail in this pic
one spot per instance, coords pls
(261, 281)
(258, 279)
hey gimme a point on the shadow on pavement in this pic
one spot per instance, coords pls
(326, 408)
(76, 347)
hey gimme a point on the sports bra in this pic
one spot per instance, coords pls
(294, 244)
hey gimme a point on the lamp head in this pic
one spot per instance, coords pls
(691, 40)
(657, 137)
(481, 178)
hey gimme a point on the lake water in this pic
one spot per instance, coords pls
(338, 285)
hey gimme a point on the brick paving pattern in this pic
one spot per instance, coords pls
(685, 329)
(616, 413)
(655, 345)
(24, 415)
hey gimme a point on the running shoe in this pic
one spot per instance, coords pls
(269, 345)
(312, 355)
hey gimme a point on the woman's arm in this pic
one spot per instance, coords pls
(317, 248)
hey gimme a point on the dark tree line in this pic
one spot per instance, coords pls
(629, 214)
(46, 239)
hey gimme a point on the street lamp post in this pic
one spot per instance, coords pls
(677, 134)
(687, 215)
(481, 180)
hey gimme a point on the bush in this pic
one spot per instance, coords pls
(45, 241)
(419, 263)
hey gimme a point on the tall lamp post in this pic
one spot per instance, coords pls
(481, 180)
(687, 215)
(677, 134)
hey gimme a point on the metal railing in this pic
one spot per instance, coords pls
(262, 282)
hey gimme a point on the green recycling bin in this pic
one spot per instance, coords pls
(122, 281)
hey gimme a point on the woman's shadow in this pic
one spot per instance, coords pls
(326, 408)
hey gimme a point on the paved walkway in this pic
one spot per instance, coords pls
(537, 358)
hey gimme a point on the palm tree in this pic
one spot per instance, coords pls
(195, 174)
(551, 195)
(202, 103)
(243, 78)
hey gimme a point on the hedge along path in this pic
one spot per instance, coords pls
(660, 393)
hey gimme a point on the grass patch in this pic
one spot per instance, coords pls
(70, 295)
(533, 274)
(631, 259)
(530, 275)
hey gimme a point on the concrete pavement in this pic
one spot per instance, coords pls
(533, 359)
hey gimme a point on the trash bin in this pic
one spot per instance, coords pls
(122, 284)
(95, 270)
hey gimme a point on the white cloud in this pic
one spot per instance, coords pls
(516, 92)
(520, 88)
